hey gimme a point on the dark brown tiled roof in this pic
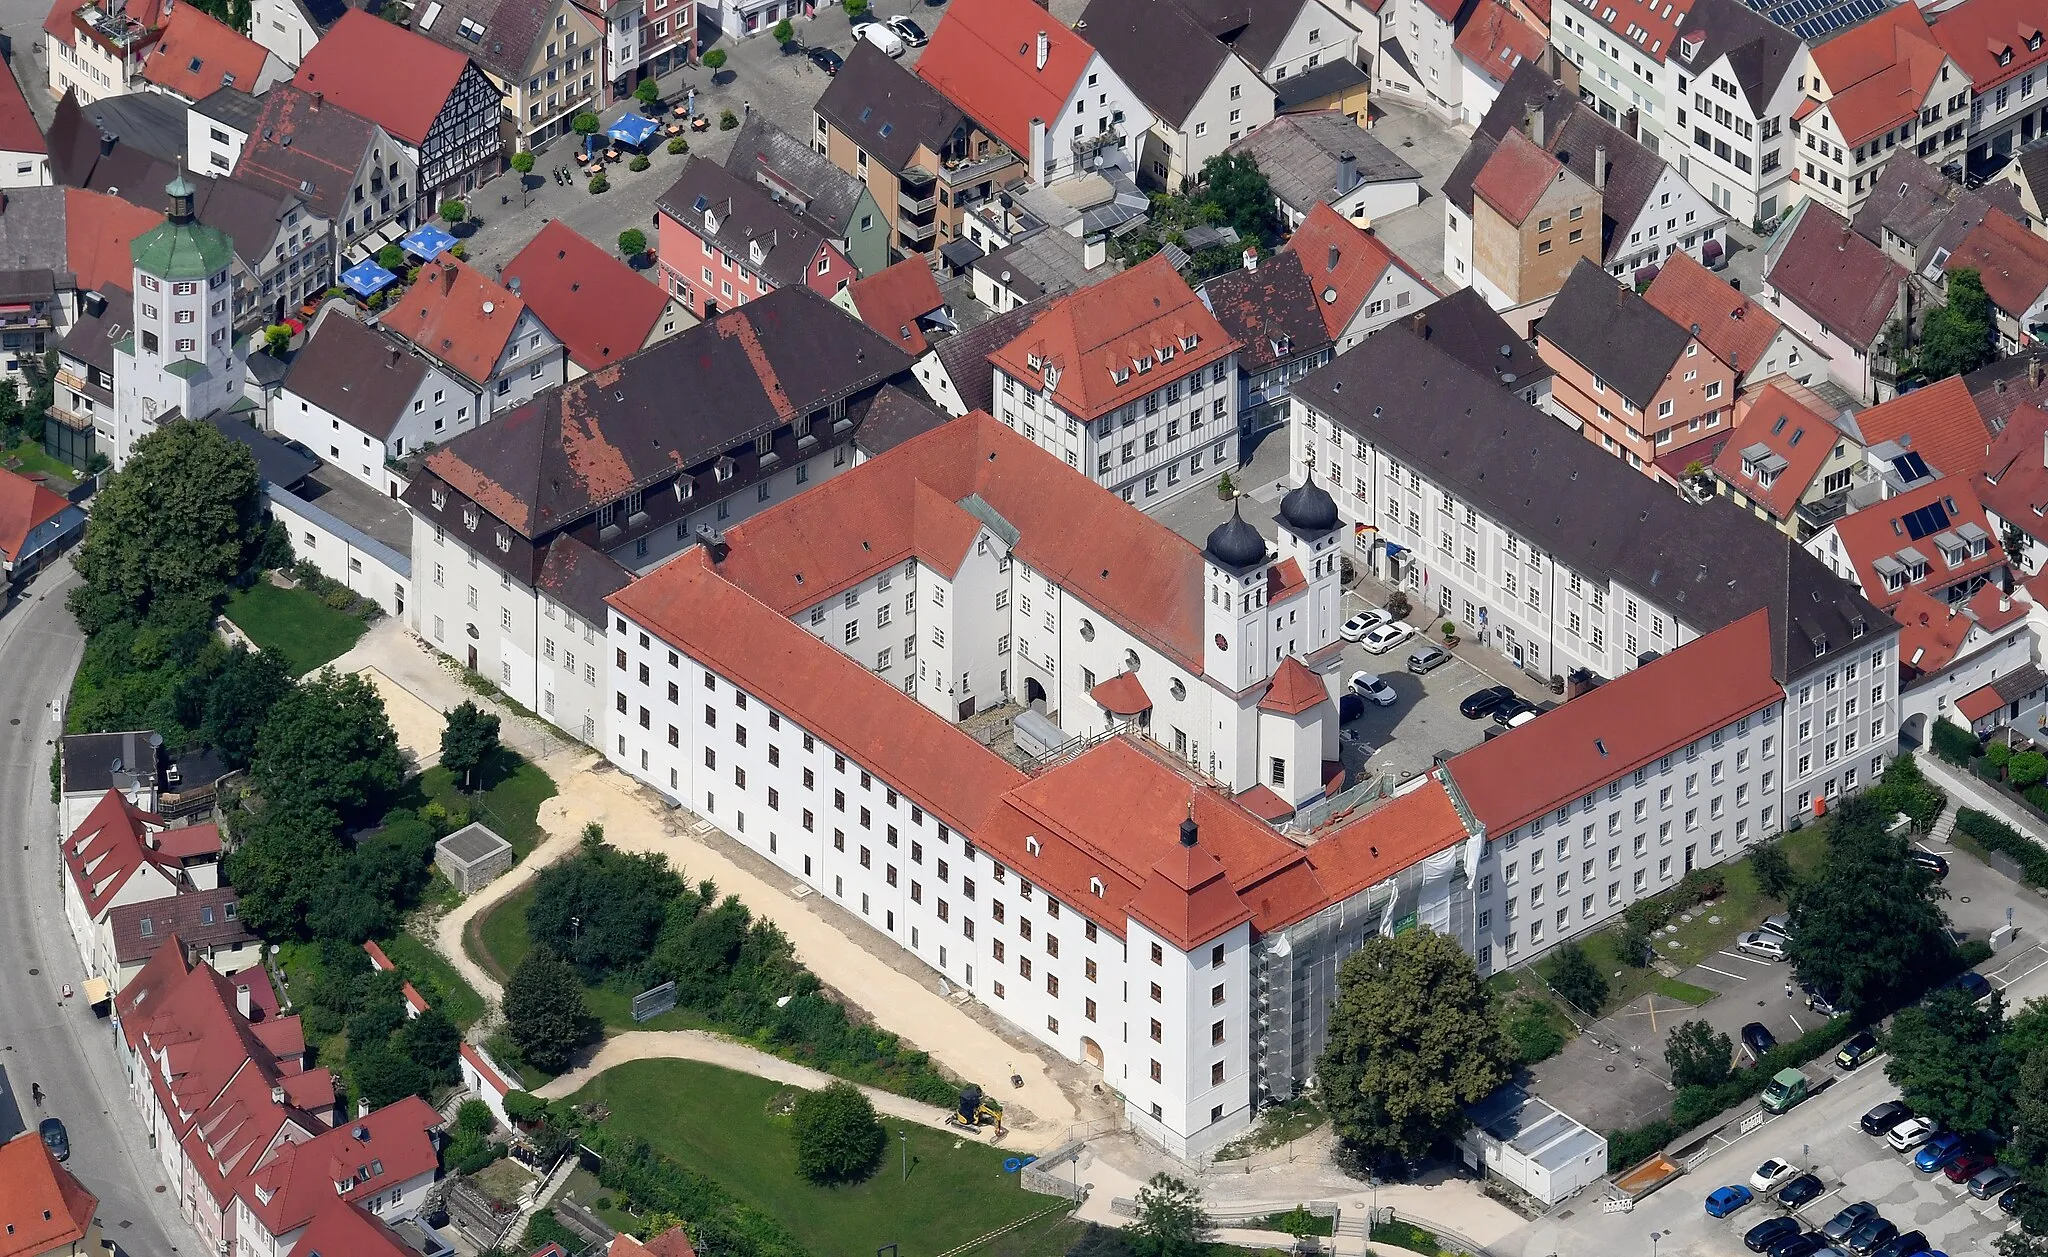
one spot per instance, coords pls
(965, 356)
(1835, 275)
(1465, 327)
(1159, 50)
(781, 162)
(886, 109)
(1609, 330)
(313, 148)
(201, 918)
(580, 577)
(360, 374)
(1276, 302)
(891, 417)
(745, 215)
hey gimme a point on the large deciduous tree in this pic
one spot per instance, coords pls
(1956, 339)
(468, 742)
(1698, 1055)
(1868, 927)
(1413, 1038)
(545, 1014)
(239, 699)
(328, 744)
(1573, 976)
(603, 909)
(1170, 1221)
(1946, 1059)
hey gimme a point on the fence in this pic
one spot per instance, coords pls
(654, 1001)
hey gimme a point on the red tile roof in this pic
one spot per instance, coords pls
(1976, 33)
(1878, 531)
(43, 1208)
(1516, 176)
(904, 504)
(2014, 479)
(1930, 632)
(456, 314)
(1980, 702)
(2012, 262)
(594, 303)
(25, 506)
(1263, 803)
(109, 846)
(394, 77)
(98, 229)
(1294, 689)
(1734, 328)
(1094, 337)
(18, 130)
(350, 1229)
(984, 58)
(674, 1242)
(1794, 432)
(1343, 262)
(370, 1155)
(1879, 72)
(1941, 423)
(1497, 41)
(198, 54)
(891, 302)
(190, 841)
(1122, 695)
(726, 629)
(1632, 720)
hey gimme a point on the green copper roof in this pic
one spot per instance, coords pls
(185, 368)
(182, 251)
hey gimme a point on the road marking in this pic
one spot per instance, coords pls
(1751, 959)
(1795, 1022)
(1739, 977)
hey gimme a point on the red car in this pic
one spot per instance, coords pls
(1969, 1165)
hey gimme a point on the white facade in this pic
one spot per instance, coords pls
(283, 27)
(1847, 365)
(1981, 659)
(1316, 35)
(1841, 175)
(93, 67)
(443, 406)
(1101, 124)
(181, 354)
(213, 145)
(1675, 217)
(1618, 76)
(344, 553)
(1427, 38)
(1729, 150)
(1234, 104)
(1148, 449)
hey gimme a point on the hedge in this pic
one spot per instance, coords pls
(718, 1222)
(1992, 834)
(1904, 788)
(1954, 743)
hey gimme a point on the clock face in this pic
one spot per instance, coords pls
(1221, 642)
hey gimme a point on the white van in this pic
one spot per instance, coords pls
(881, 37)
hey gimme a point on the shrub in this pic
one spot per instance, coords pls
(454, 211)
(1904, 788)
(714, 61)
(1627, 1147)
(339, 597)
(459, 251)
(1450, 628)
(639, 162)
(2038, 796)
(523, 163)
(855, 8)
(727, 119)
(2027, 770)
(632, 242)
(783, 31)
(599, 185)
(650, 1181)
(649, 92)
(524, 1106)
(1995, 835)
(679, 145)
(1535, 1038)
(838, 1139)
(1574, 977)
(1998, 755)
(1954, 743)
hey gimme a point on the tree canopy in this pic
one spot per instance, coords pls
(1956, 338)
(603, 909)
(546, 1016)
(1413, 1038)
(1170, 1221)
(1947, 1062)
(329, 745)
(837, 1137)
(1868, 927)
(468, 742)
(1698, 1055)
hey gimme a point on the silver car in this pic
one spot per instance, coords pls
(1758, 943)
(1428, 658)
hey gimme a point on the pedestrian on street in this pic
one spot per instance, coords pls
(747, 108)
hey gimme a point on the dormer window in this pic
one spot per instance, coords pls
(757, 251)
(469, 517)
(2034, 42)
(1031, 845)
(686, 488)
(1283, 345)
(504, 539)
(1166, 353)
(710, 223)
(2005, 56)
(1142, 364)
(723, 470)
(1118, 375)
(1189, 341)
(1095, 887)
(439, 497)
(1037, 361)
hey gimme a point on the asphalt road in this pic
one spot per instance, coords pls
(44, 1039)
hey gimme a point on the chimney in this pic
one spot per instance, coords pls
(318, 97)
(277, 1093)
(1532, 122)
(1251, 257)
(242, 1003)
(2034, 371)
(1334, 257)
(1600, 167)
(1347, 171)
(1044, 47)
(107, 139)
(1041, 150)
(447, 278)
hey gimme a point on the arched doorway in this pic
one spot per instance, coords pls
(1913, 733)
(1034, 693)
(1091, 1053)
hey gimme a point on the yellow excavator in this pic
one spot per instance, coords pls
(976, 1110)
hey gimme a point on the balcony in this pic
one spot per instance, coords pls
(918, 191)
(960, 168)
(917, 226)
(1088, 146)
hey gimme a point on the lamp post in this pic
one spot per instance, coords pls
(1654, 1237)
(903, 1141)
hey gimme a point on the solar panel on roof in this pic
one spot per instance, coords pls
(1926, 521)
(1911, 466)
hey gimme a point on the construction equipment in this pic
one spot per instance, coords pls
(976, 1110)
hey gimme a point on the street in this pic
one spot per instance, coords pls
(46, 1040)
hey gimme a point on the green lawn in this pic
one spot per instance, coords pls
(497, 940)
(28, 458)
(717, 1122)
(511, 804)
(435, 979)
(295, 624)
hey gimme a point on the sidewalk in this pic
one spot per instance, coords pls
(418, 685)
(1966, 789)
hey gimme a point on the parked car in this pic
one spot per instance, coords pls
(1758, 943)
(1772, 1173)
(1971, 983)
(1726, 1200)
(1911, 1244)
(1911, 1133)
(1482, 702)
(1800, 1246)
(1510, 713)
(1850, 1217)
(1819, 1001)
(1384, 638)
(1757, 1037)
(1940, 1149)
(1770, 1233)
(1428, 659)
(827, 60)
(1869, 1234)
(1777, 923)
(879, 34)
(1364, 622)
(1968, 1166)
(1992, 1181)
(910, 32)
(1934, 864)
(1372, 687)
(1800, 1190)
(2012, 1198)
(1857, 1050)
(55, 1138)
(1880, 1120)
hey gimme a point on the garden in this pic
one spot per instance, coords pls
(2020, 772)
(305, 626)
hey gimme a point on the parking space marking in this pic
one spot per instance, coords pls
(1795, 1022)
(1739, 977)
(1751, 959)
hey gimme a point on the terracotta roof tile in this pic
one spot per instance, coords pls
(1294, 689)
(1979, 703)
(1842, 280)
(1515, 177)
(109, 846)
(1930, 633)
(25, 506)
(1881, 531)
(44, 1209)
(19, 132)
(1122, 695)
(197, 55)
(350, 1229)
(2012, 262)
(2014, 479)
(891, 302)
(594, 303)
(1271, 305)
(1734, 328)
(1976, 33)
(1799, 437)
(1940, 422)
(1343, 263)
(457, 315)
(396, 1143)
(984, 57)
(1497, 41)
(395, 77)
(1878, 72)
(98, 228)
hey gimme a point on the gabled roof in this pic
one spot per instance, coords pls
(965, 354)
(1160, 52)
(891, 302)
(1931, 632)
(43, 1208)
(1606, 328)
(197, 55)
(2009, 688)
(109, 846)
(1271, 311)
(1894, 534)
(1255, 29)
(1496, 41)
(1122, 695)
(363, 375)
(1759, 51)
(25, 505)
(1979, 33)
(204, 919)
(1301, 156)
(1735, 329)
(594, 303)
(1515, 177)
(1096, 339)
(1845, 282)
(458, 316)
(364, 1156)
(738, 216)
(1879, 72)
(1343, 263)
(502, 35)
(348, 1229)
(1633, 720)
(1633, 172)
(792, 169)
(1927, 209)
(19, 132)
(887, 110)
(2012, 262)
(390, 75)
(312, 147)
(1940, 422)
(2014, 478)
(984, 58)
(1782, 436)
(100, 232)
(1463, 326)
(580, 577)
(890, 416)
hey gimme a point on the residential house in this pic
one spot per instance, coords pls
(348, 169)
(1876, 87)
(1325, 157)
(2012, 262)
(1791, 459)
(1418, 59)
(1947, 654)
(290, 27)
(1999, 703)
(1736, 80)
(1339, 86)
(1038, 87)
(2027, 175)
(82, 399)
(1840, 294)
(541, 58)
(1465, 328)
(1741, 333)
(208, 922)
(24, 157)
(94, 50)
(1587, 579)
(35, 526)
(1999, 48)
(284, 251)
(1517, 220)
(434, 100)
(196, 54)
(955, 372)
(2013, 486)
(601, 309)
(520, 528)
(360, 401)
(1202, 95)
(2001, 388)
(128, 763)
(350, 1228)
(646, 37)
(744, 19)
(121, 855)
(1131, 381)
(725, 241)
(1280, 39)
(1491, 46)
(1941, 425)
(902, 304)
(383, 1163)
(479, 333)
(1934, 537)
(1919, 216)
(1628, 378)
(47, 1211)
(1270, 309)
(217, 125)
(1361, 285)
(808, 183)
(925, 163)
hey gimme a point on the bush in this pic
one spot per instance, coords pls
(1574, 977)
(1628, 1147)
(524, 1106)
(1697, 1105)
(652, 1182)
(1992, 834)
(1536, 1039)
(340, 598)
(1904, 788)
(838, 1139)
(1954, 743)
(2026, 770)
(727, 119)
(714, 61)
(454, 211)
(1998, 755)
(783, 31)
(599, 185)
(679, 145)
(639, 162)
(855, 8)
(632, 242)
(2038, 797)
(649, 92)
